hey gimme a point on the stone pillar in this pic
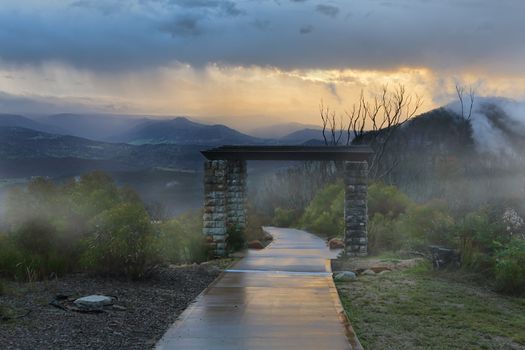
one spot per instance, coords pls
(236, 195)
(224, 201)
(214, 217)
(356, 208)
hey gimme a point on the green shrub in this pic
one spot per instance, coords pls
(36, 250)
(510, 267)
(285, 217)
(53, 226)
(386, 200)
(427, 224)
(325, 213)
(235, 239)
(122, 243)
(254, 224)
(479, 238)
(383, 235)
(9, 258)
(180, 240)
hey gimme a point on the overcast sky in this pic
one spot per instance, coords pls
(251, 61)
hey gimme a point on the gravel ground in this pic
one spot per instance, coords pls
(151, 306)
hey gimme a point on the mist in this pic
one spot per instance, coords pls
(498, 124)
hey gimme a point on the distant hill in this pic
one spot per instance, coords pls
(301, 136)
(442, 155)
(183, 131)
(17, 143)
(29, 152)
(14, 120)
(279, 131)
(100, 127)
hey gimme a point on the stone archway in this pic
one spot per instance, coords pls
(225, 173)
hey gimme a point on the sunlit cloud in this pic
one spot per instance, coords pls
(251, 62)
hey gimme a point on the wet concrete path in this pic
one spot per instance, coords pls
(281, 297)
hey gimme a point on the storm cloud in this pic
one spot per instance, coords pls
(125, 35)
(327, 10)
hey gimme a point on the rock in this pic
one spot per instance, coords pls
(336, 243)
(369, 272)
(384, 272)
(444, 257)
(255, 245)
(94, 301)
(345, 276)
(267, 237)
(237, 255)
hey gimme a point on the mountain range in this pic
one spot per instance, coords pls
(494, 133)
(148, 130)
(51, 146)
(181, 130)
(14, 120)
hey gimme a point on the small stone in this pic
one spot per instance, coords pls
(94, 301)
(369, 273)
(385, 272)
(336, 243)
(256, 244)
(345, 276)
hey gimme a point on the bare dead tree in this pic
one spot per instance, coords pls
(332, 123)
(460, 91)
(374, 121)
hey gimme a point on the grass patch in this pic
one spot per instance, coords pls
(420, 309)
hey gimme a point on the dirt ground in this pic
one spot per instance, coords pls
(145, 310)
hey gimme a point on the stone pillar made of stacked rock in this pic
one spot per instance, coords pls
(224, 201)
(214, 217)
(236, 195)
(356, 208)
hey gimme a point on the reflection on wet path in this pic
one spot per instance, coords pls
(281, 297)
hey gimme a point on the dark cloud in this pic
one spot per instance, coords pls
(332, 88)
(184, 26)
(226, 7)
(41, 105)
(126, 35)
(327, 10)
(306, 29)
(105, 8)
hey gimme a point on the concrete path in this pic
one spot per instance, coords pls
(281, 297)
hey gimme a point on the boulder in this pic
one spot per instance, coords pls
(336, 243)
(267, 237)
(256, 244)
(369, 272)
(94, 301)
(384, 272)
(443, 257)
(345, 276)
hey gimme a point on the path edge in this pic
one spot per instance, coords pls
(159, 345)
(343, 316)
